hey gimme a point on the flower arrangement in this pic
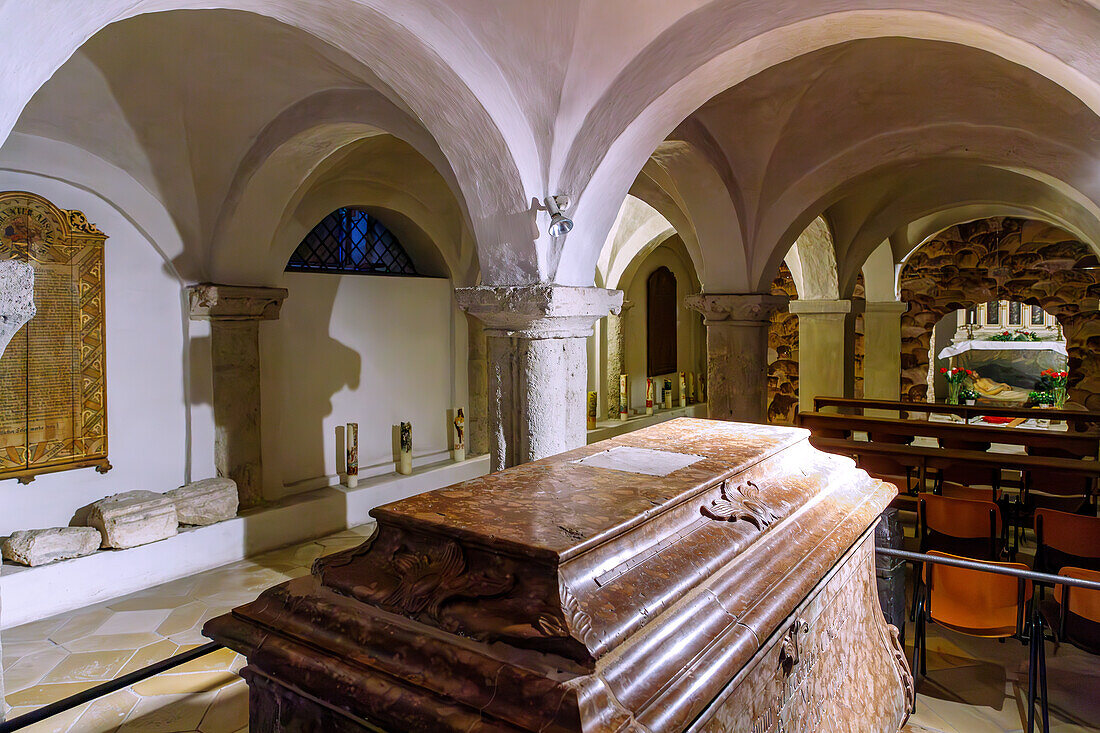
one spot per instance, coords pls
(1056, 381)
(1019, 335)
(968, 395)
(1041, 398)
(956, 378)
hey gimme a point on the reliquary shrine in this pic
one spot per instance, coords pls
(695, 575)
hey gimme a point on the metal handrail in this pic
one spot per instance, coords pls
(959, 562)
(92, 693)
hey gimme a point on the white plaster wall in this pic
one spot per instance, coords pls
(156, 442)
(367, 349)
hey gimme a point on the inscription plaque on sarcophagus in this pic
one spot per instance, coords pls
(693, 576)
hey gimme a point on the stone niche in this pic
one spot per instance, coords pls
(696, 575)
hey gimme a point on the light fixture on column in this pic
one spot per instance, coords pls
(560, 224)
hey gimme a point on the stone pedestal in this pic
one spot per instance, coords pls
(235, 314)
(737, 352)
(826, 349)
(882, 349)
(537, 379)
(16, 308)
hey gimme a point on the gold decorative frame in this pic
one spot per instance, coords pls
(53, 376)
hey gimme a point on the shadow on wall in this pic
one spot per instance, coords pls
(311, 366)
(1003, 259)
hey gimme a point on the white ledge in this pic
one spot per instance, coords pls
(613, 428)
(30, 594)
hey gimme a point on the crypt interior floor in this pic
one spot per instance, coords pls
(973, 685)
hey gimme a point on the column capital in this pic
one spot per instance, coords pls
(824, 307)
(736, 309)
(539, 311)
(886, 306)
(16, 298)
(211, 302)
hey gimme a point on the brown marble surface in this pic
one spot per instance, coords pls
(555, 508)
(557, 596)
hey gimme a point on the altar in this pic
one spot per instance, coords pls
(1010, 369)
(695, 575)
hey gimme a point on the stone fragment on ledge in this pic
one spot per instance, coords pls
(134, 518)
(205, 502)
(42, 546)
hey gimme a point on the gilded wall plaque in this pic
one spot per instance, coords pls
(53, 376)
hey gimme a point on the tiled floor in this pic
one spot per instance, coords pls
(973, 685)
(51, 659)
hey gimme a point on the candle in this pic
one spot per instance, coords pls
(351, 440)
(624, 396)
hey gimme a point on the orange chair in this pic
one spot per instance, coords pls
(983, 604)
(1074, 613)
(961, 491)
(963, 527)
(1066, 539)
(1067, 492)
(890, 470)
(963, 472)
(968, 527)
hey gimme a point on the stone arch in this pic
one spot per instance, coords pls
(655, 92)
(413, 53)
(1003, 258)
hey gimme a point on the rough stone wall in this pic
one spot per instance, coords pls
(1006, 259)
(783, 354)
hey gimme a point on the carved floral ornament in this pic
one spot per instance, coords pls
(741, 503)
(750, 309)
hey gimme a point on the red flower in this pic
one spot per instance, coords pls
(943, 370)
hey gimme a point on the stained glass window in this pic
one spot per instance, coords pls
(351, 240)
(1037, 314)
(1015, 310)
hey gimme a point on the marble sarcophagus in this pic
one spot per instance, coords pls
(692, 576)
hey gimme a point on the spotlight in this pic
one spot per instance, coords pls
(560, 224)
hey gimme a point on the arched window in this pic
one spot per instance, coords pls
(352, 241)
(661, 322)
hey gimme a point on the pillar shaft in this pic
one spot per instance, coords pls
(16, 308)
(537, 365)
(882, 349)
(826, 349)
(737, 352)
(235, 314)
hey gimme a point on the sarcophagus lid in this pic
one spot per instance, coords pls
(633, 584)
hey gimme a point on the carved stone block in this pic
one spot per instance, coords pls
(42, 546)
(205, 502)
(568, 595)
(134, 518)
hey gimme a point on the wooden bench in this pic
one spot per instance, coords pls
(832, 425)
(1079, 420)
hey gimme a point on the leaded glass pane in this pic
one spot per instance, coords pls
(351, 240)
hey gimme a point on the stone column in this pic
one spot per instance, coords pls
(16, 308)
(235, 313)
(882, 349)
(616, 358)
(826, 349)
(477, 422)
(737, 352)
(538, 374)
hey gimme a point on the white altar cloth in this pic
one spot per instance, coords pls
(986, 345)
